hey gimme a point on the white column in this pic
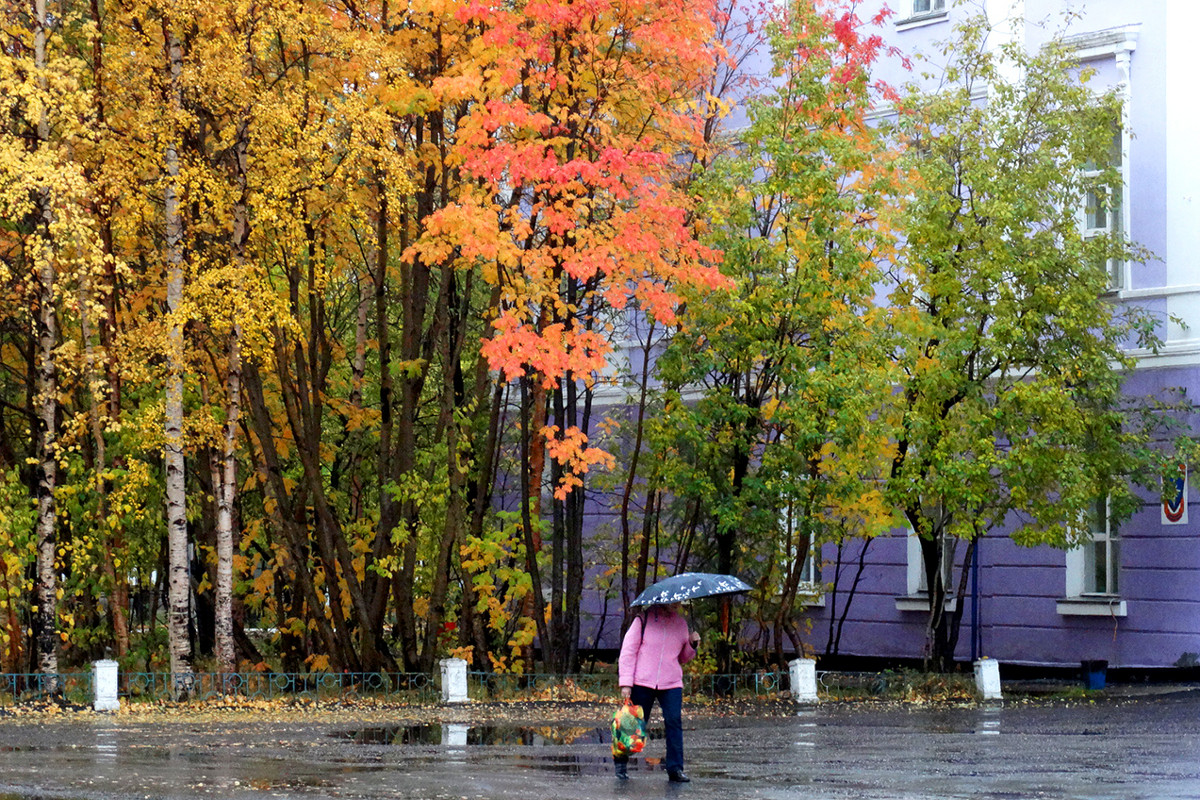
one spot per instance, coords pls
(987, 678)
(104, 685)
(454, 680)
(803, 674)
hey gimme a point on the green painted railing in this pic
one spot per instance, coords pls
(73, 687)
(488, 686)
(316, 686)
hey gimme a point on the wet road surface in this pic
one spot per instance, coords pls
(1146, 747)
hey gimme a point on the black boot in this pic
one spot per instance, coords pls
(621, 768)
(678, 776)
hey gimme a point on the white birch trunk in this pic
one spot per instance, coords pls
(226, 659)
(47, 386)
(227, 489)
(179, 578)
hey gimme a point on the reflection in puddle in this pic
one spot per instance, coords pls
(106, 746)
(574, 765)
(459, 735)
(989, 721)
(806, 728)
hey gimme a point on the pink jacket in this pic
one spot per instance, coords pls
(655, 658)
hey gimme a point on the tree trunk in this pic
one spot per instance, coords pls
(635, 454)
(334, 639)
(533, 459)
(940, 656)
(177, 541)
(837, 620)
(481, 491)
(118, 601)
(47, 396)
(227, 488)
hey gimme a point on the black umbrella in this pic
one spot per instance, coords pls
(689, 586)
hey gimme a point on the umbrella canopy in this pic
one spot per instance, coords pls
(688, 586)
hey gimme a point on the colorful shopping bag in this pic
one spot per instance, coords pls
(628, 730)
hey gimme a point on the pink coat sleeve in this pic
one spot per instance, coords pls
(687, 652)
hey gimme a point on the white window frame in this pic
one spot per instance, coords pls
(1105, 545)
(1099, 199)
(1083, 596)
(916, 597)
(926, 8)
(1117, 44)
(914, 14)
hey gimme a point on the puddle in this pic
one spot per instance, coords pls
(459, 735)
(574, 765)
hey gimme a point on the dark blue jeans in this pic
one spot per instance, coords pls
(671, 703)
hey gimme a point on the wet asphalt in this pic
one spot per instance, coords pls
(1145, 746)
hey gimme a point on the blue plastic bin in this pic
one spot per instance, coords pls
(1094, 674)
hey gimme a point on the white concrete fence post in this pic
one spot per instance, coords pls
(104, 685)
(454, 680)
(803, 675)
(987, 678)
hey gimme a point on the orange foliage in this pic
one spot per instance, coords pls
(572, 160)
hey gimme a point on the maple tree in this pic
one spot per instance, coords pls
(570, 210)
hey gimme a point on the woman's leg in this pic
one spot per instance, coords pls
(671, 702)
(644, 696)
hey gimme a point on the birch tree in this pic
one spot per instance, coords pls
(179, 582)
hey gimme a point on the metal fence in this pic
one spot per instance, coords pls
(316, 686)
(77, 687)
(73, 687)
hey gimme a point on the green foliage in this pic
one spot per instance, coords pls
(771, 385)
(1010, 408)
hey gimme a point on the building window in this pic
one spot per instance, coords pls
(917, 596)
(809, 585)
(919, 13)
(921, 8)
(1103, 210)
(1094, 568)
(810, 571)
(1101, 555)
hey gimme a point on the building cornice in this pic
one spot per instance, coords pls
(1099, 44)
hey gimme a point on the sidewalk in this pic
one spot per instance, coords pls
(1127, 743)
(1064, 687)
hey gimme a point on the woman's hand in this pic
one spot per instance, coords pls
(625, 692)
(694, 638)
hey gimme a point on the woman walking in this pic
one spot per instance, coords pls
(650, 670)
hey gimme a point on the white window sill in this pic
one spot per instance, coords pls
(920, 602)
(1091, 606)
(921, 21)
(812, 600)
